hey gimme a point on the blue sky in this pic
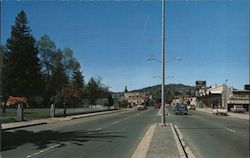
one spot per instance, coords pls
(112, 39)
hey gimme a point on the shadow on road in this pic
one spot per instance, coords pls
(11, 140)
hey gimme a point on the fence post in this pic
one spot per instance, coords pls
(52, 110)
(19, 114)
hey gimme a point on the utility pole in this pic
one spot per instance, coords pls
(163, 120)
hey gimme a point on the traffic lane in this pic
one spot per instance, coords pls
(209, 136)
(40, 137)
(133, 129)
(130, 129)
(236, 125)
(51, 137)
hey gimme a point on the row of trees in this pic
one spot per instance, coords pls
(42, 72)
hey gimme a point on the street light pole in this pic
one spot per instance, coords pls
(163, 120)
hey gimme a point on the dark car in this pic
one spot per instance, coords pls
(181, 109)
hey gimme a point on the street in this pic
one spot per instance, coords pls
(112, 136)
(118, 135)
(213, 136)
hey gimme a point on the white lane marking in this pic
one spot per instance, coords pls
(142, 148)
(230, 130)
(115, 122)
(98, 129)
(125, 119)
(41, 151)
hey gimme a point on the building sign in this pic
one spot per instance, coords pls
(200, 84)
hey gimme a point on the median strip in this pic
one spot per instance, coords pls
(142, 148)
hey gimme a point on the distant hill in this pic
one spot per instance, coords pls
(172, 91)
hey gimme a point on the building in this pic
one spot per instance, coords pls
(136, 98)
(200, 87)
(216, 96)
(223, 96)
(240, 97)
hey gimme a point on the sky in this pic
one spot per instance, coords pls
(112, 39)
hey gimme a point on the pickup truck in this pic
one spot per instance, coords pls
(238, 108)
(219, 111)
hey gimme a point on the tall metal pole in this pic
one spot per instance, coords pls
(163, 121)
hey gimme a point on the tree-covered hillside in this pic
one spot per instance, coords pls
(171, 91)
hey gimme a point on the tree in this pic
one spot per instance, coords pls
(78, 86)
(110, 100)
(70, 63)
(59, 77)
(92, 91)
(126, 89)
(23, 68)
(3, 69)
(46, 48)
(123, 104)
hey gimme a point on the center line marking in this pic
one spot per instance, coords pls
(41, 151)
(115, 122)
(125, 119)
(230, 130)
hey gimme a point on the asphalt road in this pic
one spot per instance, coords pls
(113, 135)
(212, 136)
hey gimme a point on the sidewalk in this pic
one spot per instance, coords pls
(160, 142)
(230, 114)
(14, 125)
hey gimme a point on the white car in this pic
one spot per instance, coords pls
(219, 111)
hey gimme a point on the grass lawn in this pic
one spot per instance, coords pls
(38, 113)
(29, 114)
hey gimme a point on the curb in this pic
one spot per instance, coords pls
(180, 147)
(22, 126)
(183, 148)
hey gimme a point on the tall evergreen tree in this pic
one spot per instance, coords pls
(23, 75)
(92, 91)
(126, 89)
(3, 69)
(78, 80)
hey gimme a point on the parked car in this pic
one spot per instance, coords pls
(238, 108)
(219, 111)
(180, 109)
(141, 107)
(191, 107)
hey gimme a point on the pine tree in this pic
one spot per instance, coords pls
(78, 80)
(23, 74)
(126, 89)
(92, 91)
